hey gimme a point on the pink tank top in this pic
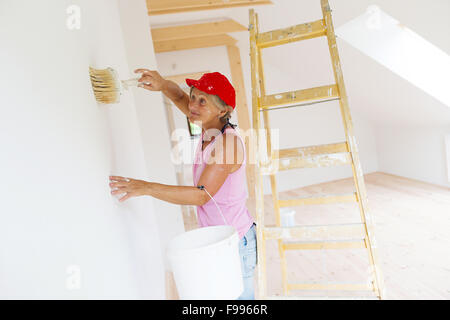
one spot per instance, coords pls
(231, 197)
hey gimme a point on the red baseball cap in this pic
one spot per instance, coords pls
(215, 83)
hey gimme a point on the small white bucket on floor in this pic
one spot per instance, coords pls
(287, 217)
(206, 263)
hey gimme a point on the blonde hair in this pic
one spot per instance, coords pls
(220, 104)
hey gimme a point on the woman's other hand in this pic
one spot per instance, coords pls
(131, 187)
(153, 80)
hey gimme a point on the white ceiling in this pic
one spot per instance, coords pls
(374, 91)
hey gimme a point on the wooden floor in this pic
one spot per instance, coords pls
(412, 230)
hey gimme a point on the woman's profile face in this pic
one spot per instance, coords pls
(201, 108)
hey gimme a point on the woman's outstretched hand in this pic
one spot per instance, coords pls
(153, 80)
(131, 187)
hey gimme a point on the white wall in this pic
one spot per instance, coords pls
(409, 124)
(152, 118)
(58, 148)
(416, 152)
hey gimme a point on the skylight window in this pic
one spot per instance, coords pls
(401, 50)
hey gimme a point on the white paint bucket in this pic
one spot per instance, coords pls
(287, 217)
(206, 263)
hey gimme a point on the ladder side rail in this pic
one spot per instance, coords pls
(259, 195)
(348, 126)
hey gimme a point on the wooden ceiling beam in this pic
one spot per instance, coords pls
(196, 30)
(180, 78)
(194, 43)
(156, 7)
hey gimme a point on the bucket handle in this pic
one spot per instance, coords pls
(202, 187)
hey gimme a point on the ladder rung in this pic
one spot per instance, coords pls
(324, 160)
(299, 96)
(330, 286)
(325, 155)
(322, 245)
(291, 34)
(321, 298)
(311, 150)
(316, 232)
(352, 197)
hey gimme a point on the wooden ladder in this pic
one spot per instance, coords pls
(338, 236)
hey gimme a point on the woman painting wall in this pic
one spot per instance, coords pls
(219, 166)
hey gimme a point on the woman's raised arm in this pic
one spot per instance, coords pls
(155, 82)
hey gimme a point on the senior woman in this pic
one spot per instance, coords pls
(219, 168)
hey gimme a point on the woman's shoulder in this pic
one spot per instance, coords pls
(230, 148)
(231, 134)
(232, 131)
